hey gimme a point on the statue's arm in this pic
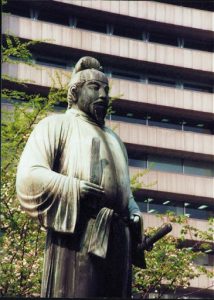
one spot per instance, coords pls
(133, 206)
(135, 215)
(44, 193)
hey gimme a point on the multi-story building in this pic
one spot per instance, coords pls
(158, 56)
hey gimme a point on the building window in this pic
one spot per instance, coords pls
(127, 31)
(180, 42)
(72, 22)
(163, 121)
(128, 117)
(53, 17)
(162, 206)
(91, 24)
(166, 164)
(171, 164)
(126, 75)
(138, 163)
(145, 36)
(197, 87)
(161, 81)
(109, 29)
(51, 62)
(198, 168)
(34, 13)
(160, 38)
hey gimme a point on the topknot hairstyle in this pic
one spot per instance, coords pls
(87, 62)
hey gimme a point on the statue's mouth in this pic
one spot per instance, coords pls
(100, 103)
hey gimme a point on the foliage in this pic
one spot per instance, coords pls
(137, 182)
(171, 265)
(21, 238)
(15, 49)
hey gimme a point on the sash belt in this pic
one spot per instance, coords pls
(98, 244)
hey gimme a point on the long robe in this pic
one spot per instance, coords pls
(86, 255)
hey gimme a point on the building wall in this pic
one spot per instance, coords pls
(159, 59)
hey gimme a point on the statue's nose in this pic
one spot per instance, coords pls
(103, 94)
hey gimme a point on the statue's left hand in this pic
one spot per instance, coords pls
(135, 226)
(134, 219)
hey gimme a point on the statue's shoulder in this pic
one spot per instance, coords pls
(54, 119)
(111, 132)
(114, 134)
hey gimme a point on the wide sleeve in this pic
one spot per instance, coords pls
(132, 204)
(133, 207)
(43, 193)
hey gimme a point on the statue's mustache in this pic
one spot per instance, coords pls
(101, 102)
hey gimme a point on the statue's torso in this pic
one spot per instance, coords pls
(75, 156)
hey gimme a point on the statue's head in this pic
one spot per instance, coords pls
(88, 89)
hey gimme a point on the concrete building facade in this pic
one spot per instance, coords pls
(159, 59)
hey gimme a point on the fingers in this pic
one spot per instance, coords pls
(88, 188)
(92, 192)
(93, 186)
(135, 218)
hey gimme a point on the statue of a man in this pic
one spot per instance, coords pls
(73, 176)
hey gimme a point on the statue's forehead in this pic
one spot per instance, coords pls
(89, 75)
(94, 75)
(96, 81)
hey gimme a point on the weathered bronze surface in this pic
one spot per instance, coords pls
(73, 176)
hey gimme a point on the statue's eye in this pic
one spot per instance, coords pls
(94, 87)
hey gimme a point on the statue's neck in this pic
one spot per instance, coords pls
(79, 113)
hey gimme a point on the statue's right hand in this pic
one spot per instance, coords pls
(90, 189)
(91, 194)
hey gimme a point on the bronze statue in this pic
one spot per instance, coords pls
(73, 176)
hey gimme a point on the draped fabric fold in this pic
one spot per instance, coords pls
(100, 233)
(43, 193)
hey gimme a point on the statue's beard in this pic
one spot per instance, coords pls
(99, 113)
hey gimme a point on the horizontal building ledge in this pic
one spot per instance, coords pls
(151, 10)
(163, 96)
(146, 192)
(163, 138)
(160, 99)
(175, 183)
(108, 45)
(140, 150)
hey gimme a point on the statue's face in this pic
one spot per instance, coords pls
(93, 99)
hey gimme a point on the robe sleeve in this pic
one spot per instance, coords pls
(133, 207)
(132, 204)
(43, 193)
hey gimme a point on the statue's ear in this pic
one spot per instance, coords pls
(73, 91)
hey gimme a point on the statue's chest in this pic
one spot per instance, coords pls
(95, 155)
